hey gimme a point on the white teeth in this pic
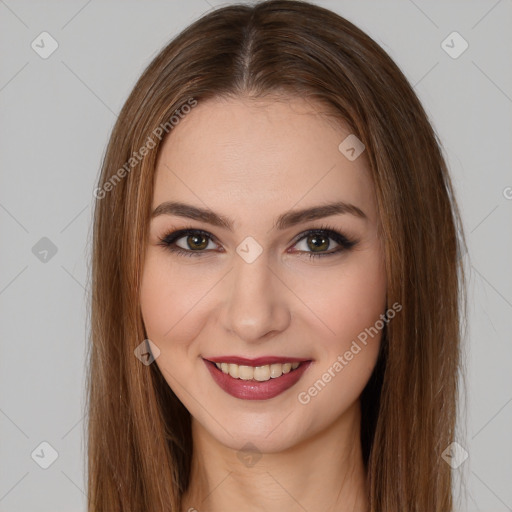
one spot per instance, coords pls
(245, 372)
(276, 370)
(259, 373)
(233, 370)
(262, 373)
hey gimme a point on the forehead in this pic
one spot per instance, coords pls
(254, 156)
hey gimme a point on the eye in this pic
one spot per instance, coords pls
(315, 242)
(195, 241)
(318, 241)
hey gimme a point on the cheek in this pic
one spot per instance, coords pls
(164, 306)
(346, 299)
(360, 302)
(351, 306)
(169, 298)
(153, 302)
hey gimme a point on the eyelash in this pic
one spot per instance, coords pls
(171, 237)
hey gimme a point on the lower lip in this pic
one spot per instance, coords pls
(253, 389)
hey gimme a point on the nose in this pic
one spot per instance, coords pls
(256, 307)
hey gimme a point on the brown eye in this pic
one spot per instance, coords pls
(318, 242)
(197, 241)
(194, 242)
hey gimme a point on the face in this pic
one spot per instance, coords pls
(255, 286)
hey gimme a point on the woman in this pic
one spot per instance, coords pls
(275, 316)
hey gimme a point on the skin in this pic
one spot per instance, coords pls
(252, 160)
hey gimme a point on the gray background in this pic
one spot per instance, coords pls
(56, 116)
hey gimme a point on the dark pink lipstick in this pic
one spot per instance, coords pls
(253, 389)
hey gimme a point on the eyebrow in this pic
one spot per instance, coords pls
(284, 221)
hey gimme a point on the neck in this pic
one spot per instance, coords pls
(324, 472)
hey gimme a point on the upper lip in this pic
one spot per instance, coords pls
(258, 361)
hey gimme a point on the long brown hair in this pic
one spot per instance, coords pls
(139, 439)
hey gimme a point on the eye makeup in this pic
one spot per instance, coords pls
(169, 239)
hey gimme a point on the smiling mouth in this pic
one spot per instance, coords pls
(257, 373)
(258, 381)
